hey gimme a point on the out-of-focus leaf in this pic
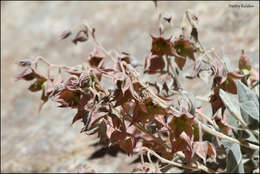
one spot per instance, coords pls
(126, 145)
(181, 124)
(180, 61)
(232, 106)
(155, 64)
(249, 105)
(246, 94)
(247, 136)
(184, 48)
(162, 46)
(204, 148)
(183, 143)
(229, 85)
(221, 123)
(96, 59)
(250, 114)
(216, 102)
(37, 85)
(234, 157)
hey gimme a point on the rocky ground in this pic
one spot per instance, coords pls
(46, 141)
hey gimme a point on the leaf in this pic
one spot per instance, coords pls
(96, 59)
(246, 94)
(247, 136)
(229, 85)
(221, 123)
(204, 148)
(84, 98)
(250, 114)
(216, 102)
(37, 85)
(234, 157)
(249, 105)
(184, 48)
(155, 63)
(183, 143)
(162, 46)
(232, 105)
(180, 61)
(68, 98)
(126, 145)
(181, 124)
(146, 111)
(117, 136)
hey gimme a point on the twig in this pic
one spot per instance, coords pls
(222, 136)
(198, 167)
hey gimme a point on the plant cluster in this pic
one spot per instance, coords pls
(160, 118)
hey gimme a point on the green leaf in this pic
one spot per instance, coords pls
(249, 106)
(246, 94)
(232, 105)
(234, 157)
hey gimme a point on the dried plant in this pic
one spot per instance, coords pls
(160, 119)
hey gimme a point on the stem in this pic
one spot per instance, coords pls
(198, 167)
(222, 136)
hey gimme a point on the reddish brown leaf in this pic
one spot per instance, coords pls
(181, 124)
(96, 59)
(117, 136)
(183, 143)
(95, 119)
(37, 85)
(180, 62)
(155, 64)
(162, 46)
(146, 111)
(68, 98)
(221, 123)
(184, 48)
(204, 148)
(216, 102)
(126, 145)
(229, 86)
(84, 98)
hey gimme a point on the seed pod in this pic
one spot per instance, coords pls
(244, 61)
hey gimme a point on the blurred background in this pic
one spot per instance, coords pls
(46, 141)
